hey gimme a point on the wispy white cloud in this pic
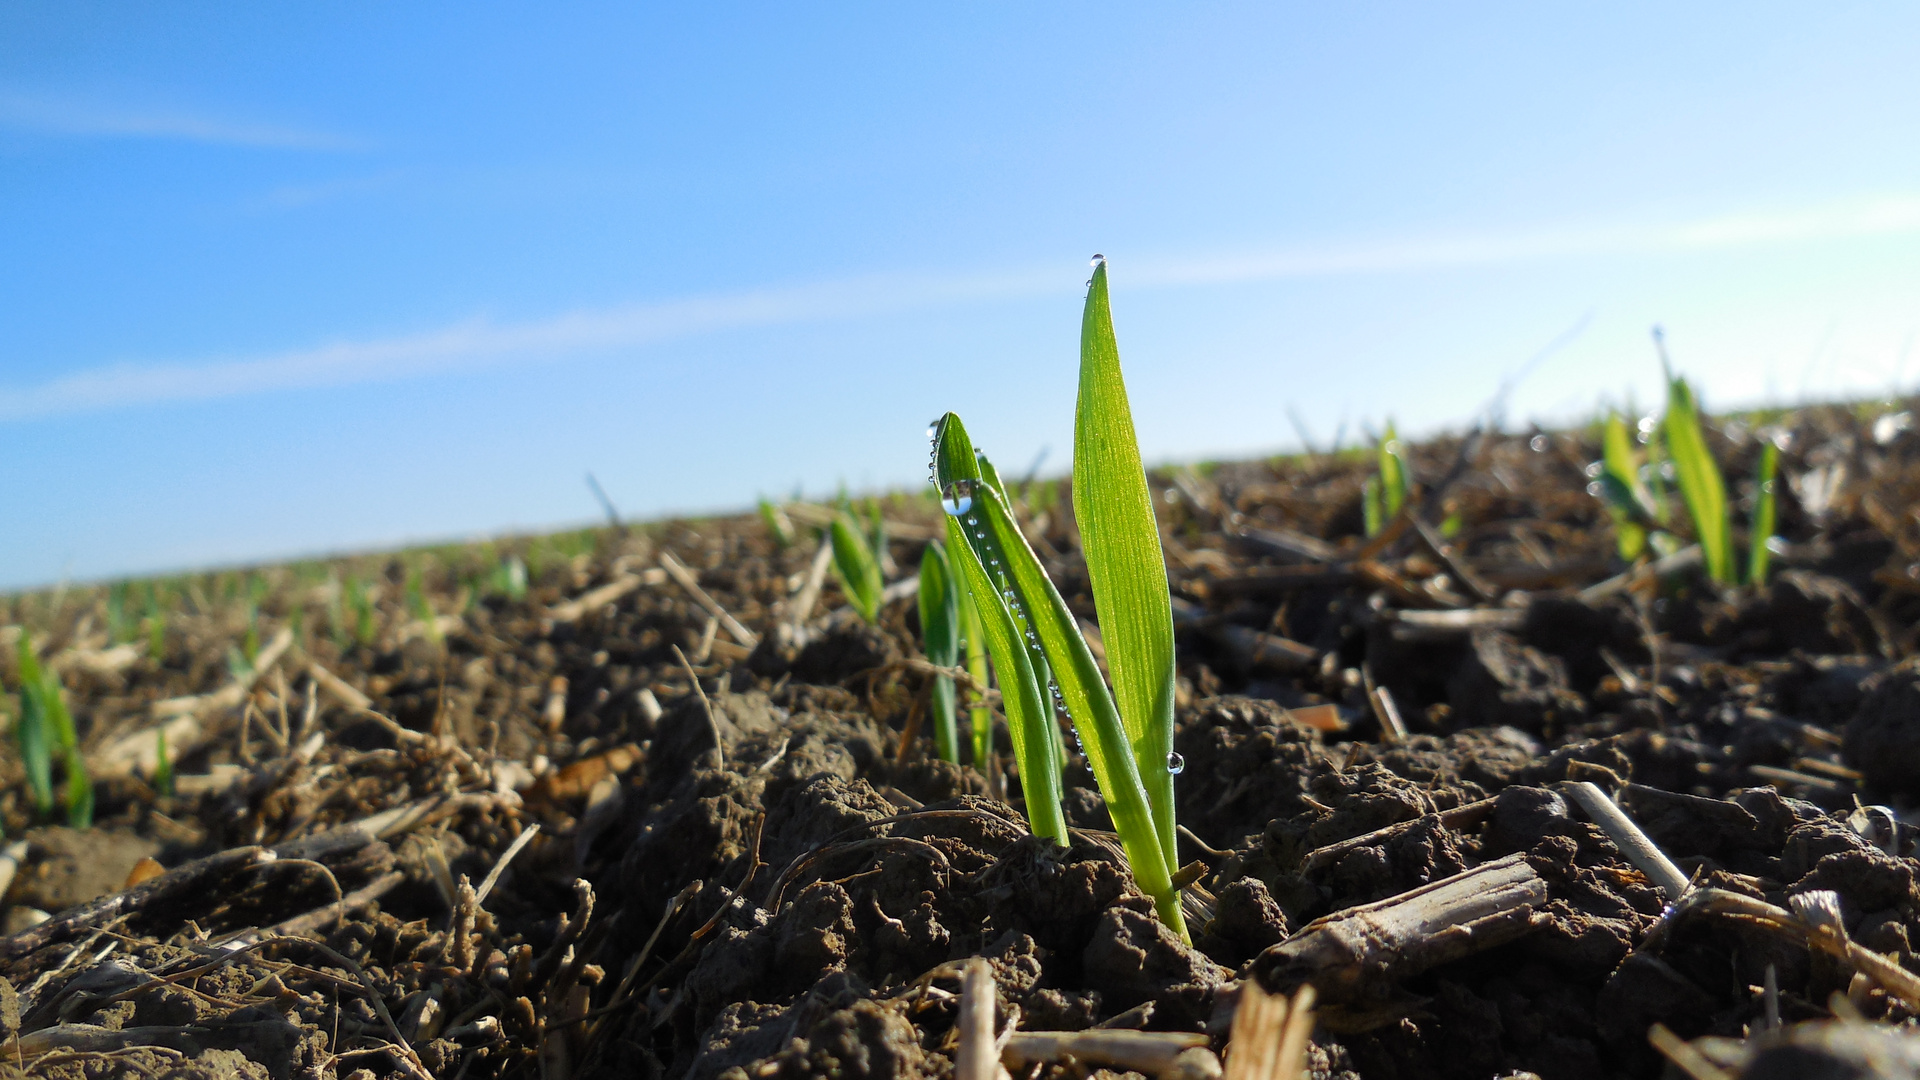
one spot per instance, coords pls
(482, 343)
(90, 120)
(297, 196)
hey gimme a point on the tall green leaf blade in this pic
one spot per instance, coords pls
(1622, 473)
(1029, 713)
(1701, 485)
(34, 729)
(940, 636)
(1765, 512)
(1394, 481)
(854, 564)
(987, 527)
(1121, 541)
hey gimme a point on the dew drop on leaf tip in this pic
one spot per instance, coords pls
(1096, 260)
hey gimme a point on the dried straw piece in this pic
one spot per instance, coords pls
(1634, 844)
(1270, 1033)
(975, 1057)
(678, 572)
(1355, 958)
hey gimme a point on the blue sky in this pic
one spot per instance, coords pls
(326, 277)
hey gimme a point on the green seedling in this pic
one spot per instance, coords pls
(1765, 511)
(978, 549)
(509, 578)
(940, 635)
(779, 526)
(361, 602)
(1385, 492)
(1701, 486)
(1627, 498)
(1128, 742)
(44, 726)
(422, 609)
(855, 566)
(118, 623)
(250, 640)
(163, 765)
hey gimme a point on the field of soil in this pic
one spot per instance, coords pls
(670, 809)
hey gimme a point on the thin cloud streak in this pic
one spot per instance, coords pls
(480, 343)
(73, 118)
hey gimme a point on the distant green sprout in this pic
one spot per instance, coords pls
(1639, 509)
(163, 765)
(779, 526)
(1619, 484)
(1765, 511)
(250, 640)
(1127, 734)
(118, 622)
(361, 602)
(1385, 492)
(1701, 485)
(509, 578)
(422, 608)
(44, 726)
(940, 636)
(156, 620)
(855, 566)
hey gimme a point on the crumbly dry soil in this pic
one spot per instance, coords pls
(768, 875)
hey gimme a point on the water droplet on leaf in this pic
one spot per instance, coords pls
(1176, 764)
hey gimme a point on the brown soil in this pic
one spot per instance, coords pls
(767, 877)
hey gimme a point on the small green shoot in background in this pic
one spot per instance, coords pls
(1701, 486)
(360, 605)
(855, 566)
(509, 578)
(162, 765)
(940, 637)
(1619, 484)
(44, 726)
(779, 526)
(1126, 734)
(1765, 511)
(1639, 509)
(1385, 492)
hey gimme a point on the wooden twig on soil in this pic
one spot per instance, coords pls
(1462, 573)
(809, 594)
(679, 573)
(500, 865)
(597, 598)
(1170, 1055)
(713, 722)
(1641, 851)
(975, 1058)
(314, 921)
(1460, 817)
(1355, 957)
(338, 688)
